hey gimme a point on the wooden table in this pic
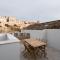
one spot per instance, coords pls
(35, 43)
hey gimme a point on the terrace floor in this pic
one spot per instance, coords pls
(14, 51)
(52, 54)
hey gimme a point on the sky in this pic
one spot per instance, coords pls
(42, 10)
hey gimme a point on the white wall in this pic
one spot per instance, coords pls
(11, 37)
(51, 35)
(3, 37)
(40, 34)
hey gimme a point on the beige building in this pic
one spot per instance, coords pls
(11, 20)
(7, 19)
(2, 19)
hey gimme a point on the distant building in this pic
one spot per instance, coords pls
(12, 19)
(7, 18)
(2, 19)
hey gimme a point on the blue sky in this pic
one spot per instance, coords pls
(43, 10)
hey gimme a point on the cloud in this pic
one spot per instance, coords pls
(46, 10)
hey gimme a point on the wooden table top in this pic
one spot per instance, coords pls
(34, 42)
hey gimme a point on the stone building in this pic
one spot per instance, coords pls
(7, 19)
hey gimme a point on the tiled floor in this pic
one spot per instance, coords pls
(52, 54)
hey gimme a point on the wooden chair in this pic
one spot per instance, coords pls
(29, 50)
(43, 49)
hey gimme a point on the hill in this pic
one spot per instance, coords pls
(47, 25)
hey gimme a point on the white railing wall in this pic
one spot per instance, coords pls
(38, 34)
(51, 35)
